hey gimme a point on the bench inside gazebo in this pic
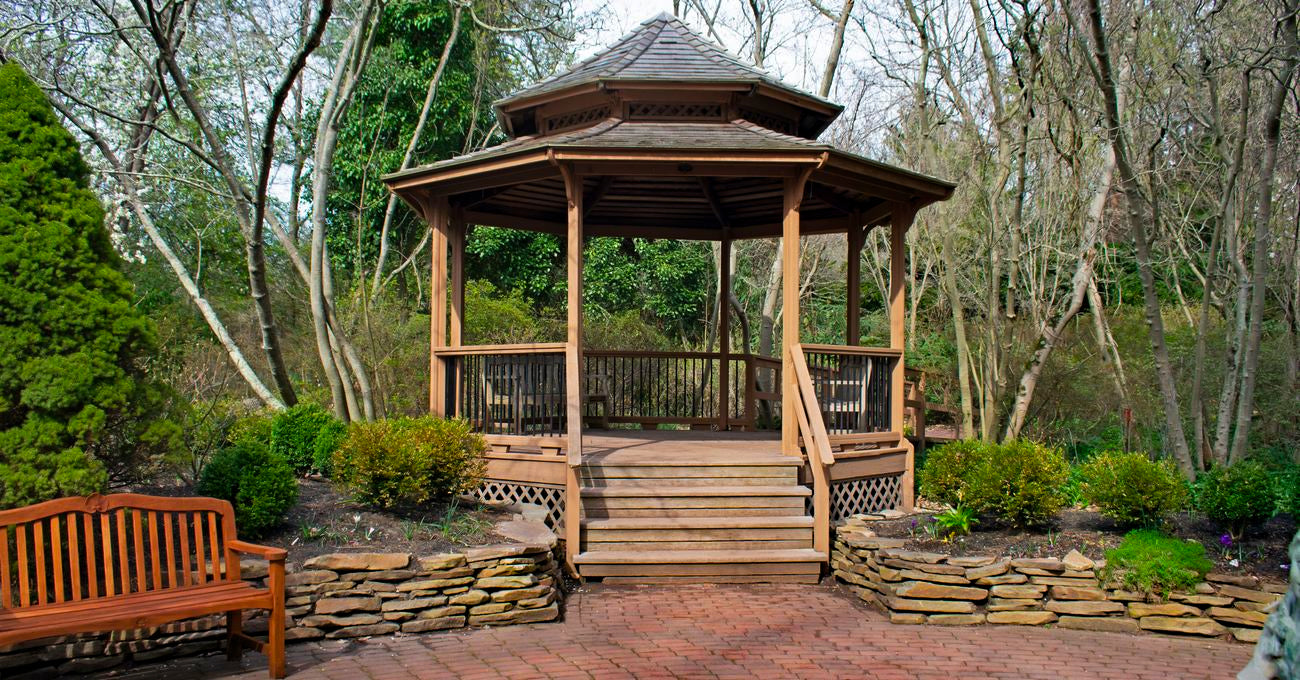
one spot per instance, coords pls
(666, 136)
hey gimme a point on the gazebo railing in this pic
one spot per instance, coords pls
(682, 388)
(513, 390)
(854, 389)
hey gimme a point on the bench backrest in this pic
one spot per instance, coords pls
(88, 547)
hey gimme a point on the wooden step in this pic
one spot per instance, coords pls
(660, 491)
(698, 533)
(699, 522)
(598, 510)
(702, 544)
(809, 578)
(704, 565)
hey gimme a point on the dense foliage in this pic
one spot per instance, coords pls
(294, 433)
(404, 462)
(1238, 496)
(260, 484)
(1150, 562)
(947, 468)
(1132, 489)
(1019, 482)
(76, 409)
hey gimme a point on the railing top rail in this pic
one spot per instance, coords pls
(808, 397)
(853, 349)
(524, 348)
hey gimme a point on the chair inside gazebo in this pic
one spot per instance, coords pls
(684, 465)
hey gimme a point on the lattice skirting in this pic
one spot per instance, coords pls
(549, 497)
(872, 494)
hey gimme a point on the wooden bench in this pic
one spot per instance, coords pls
(127, 561)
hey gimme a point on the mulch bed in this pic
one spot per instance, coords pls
(1262, 552)
(326, 521)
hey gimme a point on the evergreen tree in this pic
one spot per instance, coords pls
(75, 408)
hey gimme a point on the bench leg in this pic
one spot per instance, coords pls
(234, 626)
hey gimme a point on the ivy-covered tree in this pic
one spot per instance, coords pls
(75, 408)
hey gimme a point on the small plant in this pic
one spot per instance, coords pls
(294, 432)
(1288, 493)
(328, 441)
(1150, 562)
(1131, 489)
(1019, 482)
(260, 485)
(943, 479)
(1073, 487)
(404, 462)
(1237, 497)
(956, 521)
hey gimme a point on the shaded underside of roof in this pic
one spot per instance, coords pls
(662, 48)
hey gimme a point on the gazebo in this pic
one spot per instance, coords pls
(664, 135)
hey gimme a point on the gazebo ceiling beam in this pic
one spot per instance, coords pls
(822, 193)
(602, 188)
(719, 211)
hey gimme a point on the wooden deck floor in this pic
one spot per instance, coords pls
(620, 446)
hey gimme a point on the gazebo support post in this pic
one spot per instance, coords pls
(440, 222)
(456, 321)
(573, 370)
(853, 308)
(900, 221)
(724, 333)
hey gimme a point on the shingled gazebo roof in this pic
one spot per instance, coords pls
(674, 137)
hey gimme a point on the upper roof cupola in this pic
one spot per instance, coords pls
(663, 71)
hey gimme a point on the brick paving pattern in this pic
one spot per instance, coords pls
(733, 632)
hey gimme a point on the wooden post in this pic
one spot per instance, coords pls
(440, 214)
(573, 370)
(724, 335)
(790, 310)
(900, 221)
(855, 236)
(456, 321)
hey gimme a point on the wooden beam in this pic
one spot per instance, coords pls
(823, 193)
(573, 369)
(901, 222)
(715, 204)
(724, 335)
(441, 225)
(606, 181)
(856, 236)
(793, 197)
(456, 239)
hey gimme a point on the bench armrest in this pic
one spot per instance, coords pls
(265, 552)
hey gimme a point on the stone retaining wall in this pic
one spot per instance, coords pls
(339, 595)
(932, 588)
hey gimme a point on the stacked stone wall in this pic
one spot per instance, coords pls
(338, 595)
(916, 587)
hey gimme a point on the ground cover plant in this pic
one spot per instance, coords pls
(1148, 561)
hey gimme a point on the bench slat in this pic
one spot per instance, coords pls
(155, 550)
(74, 557)
(200, 575)
(124, 571)
(183, 528)
(38, 544)
(6, 590)
(24, 587)
(171, 550)
(212, 546)
(137, 534)
(56, 554)
(106, 539)
(136, 600)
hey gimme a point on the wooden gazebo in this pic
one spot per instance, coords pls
(664, 135)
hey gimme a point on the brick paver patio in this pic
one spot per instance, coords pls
(734, 632)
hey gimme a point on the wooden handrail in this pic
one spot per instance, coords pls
(525, 348)
(853, 349)
(813, 432)
(808, 399)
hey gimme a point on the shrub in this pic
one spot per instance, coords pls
(294, 431)
(1073, 487)
(1288, 493)
(1148, 561)
(1018, 482)
(944, 477)
(408, 461)
(254, 428)
(328, 441)
(260, 484)
(1131, 489)
(1238, 496)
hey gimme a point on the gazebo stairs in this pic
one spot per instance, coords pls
(696, 518)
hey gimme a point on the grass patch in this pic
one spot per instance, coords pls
(1148, 561)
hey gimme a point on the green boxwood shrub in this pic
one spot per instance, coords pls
(1132, 489)
(294, 432)
(402, 462)
(1018, 482)
(260, 484)
(1148, 561)
(1237, 496)
(327, 442)
(943, 477)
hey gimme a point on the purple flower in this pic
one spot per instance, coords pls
(913, 522)
(1225, 540)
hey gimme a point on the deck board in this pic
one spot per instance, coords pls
(681, 447)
